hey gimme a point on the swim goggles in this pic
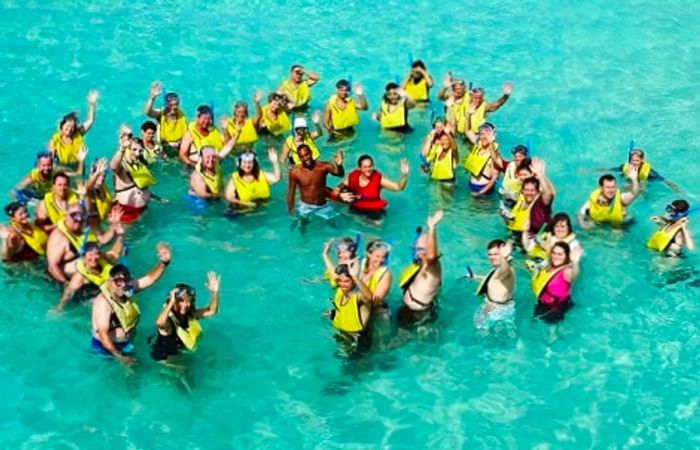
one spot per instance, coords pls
(478, 90)
(673, 214)
(373, 246)
(637, 151)
(486, 126)
(246, 157)
(520, 148)
(204, 109)
(459, 82)
(183, 289)
(171, 97)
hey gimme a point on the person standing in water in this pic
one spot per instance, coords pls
(497, 286)
(297, 87)
(178, 322)
(340, 114)
(418, 82)
(607, 204)
(172, 122)
(552, 284)
(422, 279)
(67, 142)
(673, 233)
(310, 178)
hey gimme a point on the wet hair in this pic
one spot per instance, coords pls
(532, 180)
(59, 174)
(295, 66)
(418, 63)
(184, 288)
(680, 205)
(391, 85)
(525, 164)
(119, 269)
(241, 104)
(604, 178)
(496, 243)
(12, 208)
(148, 125)
(564, 246)
(170, 96)
(559, 217)
(343, 269)
(520, 148)
(204, 109)
(363, 158)
(349, 243)
(275, 96)
(342, 83)
(72, 116)
(90, 246)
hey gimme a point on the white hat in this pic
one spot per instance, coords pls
(300, 122)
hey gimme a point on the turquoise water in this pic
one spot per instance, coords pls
(620, 371)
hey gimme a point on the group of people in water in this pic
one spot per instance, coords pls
(80, 222)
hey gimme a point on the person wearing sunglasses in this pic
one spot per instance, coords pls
(310, 177)
(645, 172)
(53, 208)
(421, 280)
(132, 177)
(301, 136)
(297, 87)
(340, 113)
(21, 240)
(178, 322)
(115, 312)
(38, 182)
(418, 82)
(607, 204)
(393, 109)
(201, 133)
(67, 142)
(71, 234)
(249, 184)
(479, 164)
(171, 119)
(497, 287)
(673, 233)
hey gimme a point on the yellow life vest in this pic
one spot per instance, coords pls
(643, 174)
(417, 91)
(140, 174)
(479, 116)
(541, 278)
(440, 168)
(293, 152)
(345, 118)
(98, 279)
(376, 277)
(247, 136)
(67, 153)
(75, 241)
(300, 95)
(213, 139)
(103, 201)
(511, 182)
(521, 214)
(215, 183)
(250, 191)
(346, 316)
(663, 237)
(483, 285)
(151, 154)
(393, 119)
(36, 239)
(127, 313)
(279, 125)
(41, 187)
(172, 131)
(408, 274)
(612, 213)
(54, 213)
(538, 252)
(476, 161)
(190, 335)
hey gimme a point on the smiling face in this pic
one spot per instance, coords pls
(204, 121)
(392, 96)
(45, 166)
(342, 92)
(240, 113)
(561, 229)
(609, 188)
(305, 156)
(636, 160)
(529, 191)
(367, 167)
(345, 283)
(495, 257)
(119, 285)
(172, 106)
(458, 90)
(445, 141)
(377, 257)
(60, 187)
(68, 127)
(484, 134)
(75, 218)
(183, 304)
(558, 256)
(297, 74)
(148, 135)
(92, 259)
(21, 217)
(477, 96)
(209, 160)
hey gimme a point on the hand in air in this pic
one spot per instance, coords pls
(435, 219)
(575, 254)
(213, 281)
(327, 247)
(507, 88)
(538, 166)
(633, 173)
(80, 189)
(316, 117)
(92, 97)
(339, 157)
(257, 96)
(4, 231)
(272, 155)
(358, 89)
(447, 80)
(163, 251)
(223, 122)
(403, 166)
(506, 249)
(82, 153)
(156, 89)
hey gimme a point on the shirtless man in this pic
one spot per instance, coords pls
(311, 176)
(66, 240)
(497, 286)
(115, 313)
(40, 179)
(421, 287)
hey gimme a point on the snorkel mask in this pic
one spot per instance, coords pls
(635, 151)
(346, 244)
(379, 244)
(246, 157)
(673, 213)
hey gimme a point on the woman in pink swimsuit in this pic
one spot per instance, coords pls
(552, 285)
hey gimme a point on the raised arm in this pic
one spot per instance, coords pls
(327, 261)
(546, 188)
(213, 286)
(362, 103)
(443, 93)
(337, 168)
(507, 90)
(431, 252)
(148, 107)
(365, 293)
(628, 197)
(316, 120)
(91, 111)
(276, 175)
(572, 273)
(504, 270)
(156, 271)
(401, 185)
(258, 109)
(312, 78)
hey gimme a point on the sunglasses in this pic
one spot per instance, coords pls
(121, 281)
(78, 216)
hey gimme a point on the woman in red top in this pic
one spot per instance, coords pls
(362, 188)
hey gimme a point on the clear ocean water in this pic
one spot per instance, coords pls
(622, 369)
